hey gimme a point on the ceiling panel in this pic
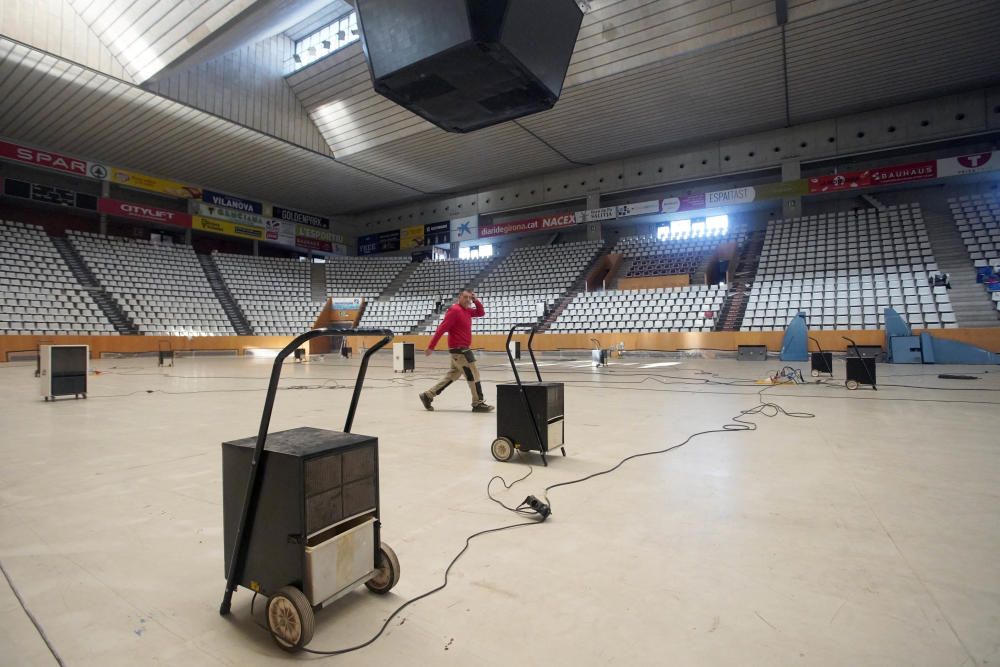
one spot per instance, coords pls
(439, 161)
(883, 53)
(731, 88)
(124, 125)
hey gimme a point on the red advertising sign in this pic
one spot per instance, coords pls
(313, 244)
(900, 173)
(530, 225)
(41, 158)
(124, 209)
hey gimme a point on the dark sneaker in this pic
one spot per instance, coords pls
(426, 400)
(482, 407)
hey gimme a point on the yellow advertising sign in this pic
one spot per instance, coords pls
(132, 179)
(227, 228)
(411, 237)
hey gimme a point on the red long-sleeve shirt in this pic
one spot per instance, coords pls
(457, 323)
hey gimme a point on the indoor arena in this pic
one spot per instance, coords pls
(491, 332)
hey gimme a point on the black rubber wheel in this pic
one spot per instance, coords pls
(502, 449)
(814, 373)
(851, 384)
(46, 398)
(387, 574)
(290, 618)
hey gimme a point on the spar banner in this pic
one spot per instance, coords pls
(541, 223)
(968, 164)
(464, 229)
(238, 203)
(54, 161)
(411, 237)
(204, 224)
(300, 218)
(875, 177)
(131, 179)
(437, 233)
(312, 238)
(124, 209)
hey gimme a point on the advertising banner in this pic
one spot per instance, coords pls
(541, 223)
(131, 179)
(437, 233)
(345, 309)
(638, 208)
(685, 203)
(878, 176)
(300, 218)
(54, 161)
(339, 249)
(597, 214)
(968, 164)
(411, 237)
(227, 228)
(124, 209)
(277, 231)
(368, 244)
(238, 203)
(782, 189)
(224, 213)
(729, 197)
(464, 229)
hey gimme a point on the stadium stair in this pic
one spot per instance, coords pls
(731, 316)
(229, 305)
(122, 324)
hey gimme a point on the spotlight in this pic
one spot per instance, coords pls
(341, 35)
(326, 44)
(297, 58)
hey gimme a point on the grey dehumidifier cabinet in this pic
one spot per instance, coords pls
(403, 357)
(62, 370)
(301, 518)
(530, 415)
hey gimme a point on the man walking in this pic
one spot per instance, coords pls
(457, 323)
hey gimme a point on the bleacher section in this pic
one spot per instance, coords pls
(399, 314)
(274, 293)
(843, 269)
(527, 282)
(978, 221)
(443, 278)
(673, 256)
(161, 287)
(362, 277)
(39, 295)
(689, 308)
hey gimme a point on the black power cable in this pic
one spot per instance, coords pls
(31, 617)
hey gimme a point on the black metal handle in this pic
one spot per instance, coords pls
(533, 327)
(818, 346)
(256, 463)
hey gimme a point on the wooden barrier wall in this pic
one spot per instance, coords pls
(655, 282)
(986, 338)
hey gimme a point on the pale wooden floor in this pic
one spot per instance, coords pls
(866, 536)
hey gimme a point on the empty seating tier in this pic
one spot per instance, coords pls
(362, 277)
(40, 296)
(400, 314)
(677, 255)
(161, 287)
(691, 308)
(443, 278)
(978, 221)
(844, 269)
(274, 293)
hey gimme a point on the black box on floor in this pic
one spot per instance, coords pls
(403, 357)
(821, 362)
(513, 422)
(751, 353)
(312, 480)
